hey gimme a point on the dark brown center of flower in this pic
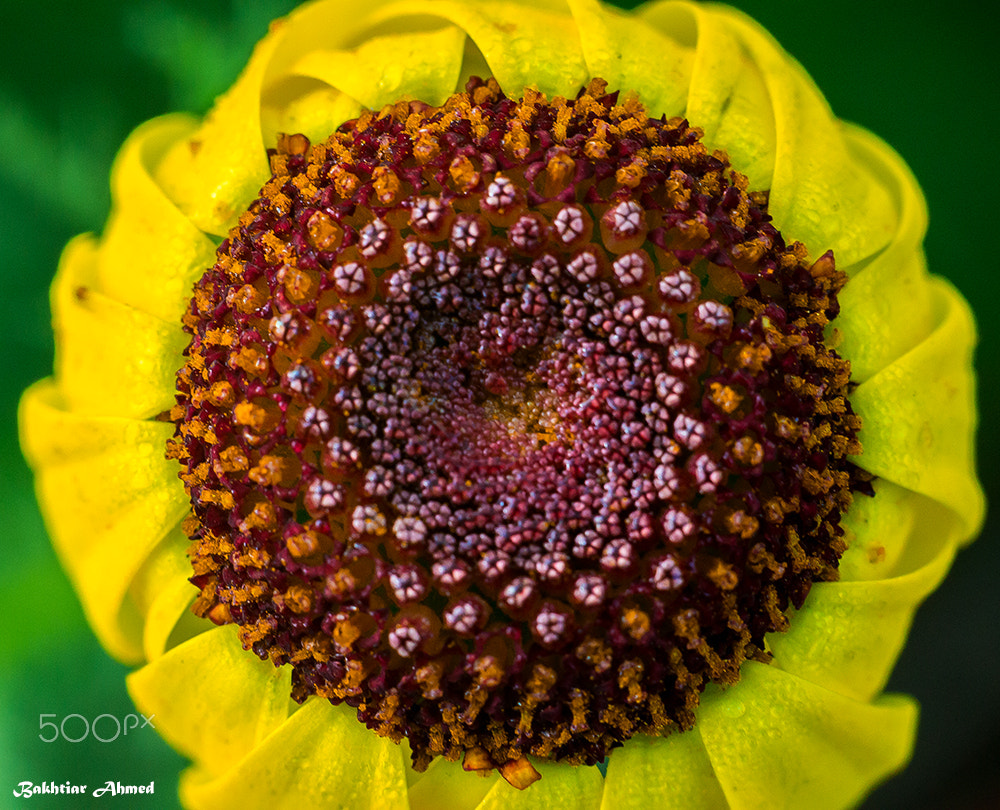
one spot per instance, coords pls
(510, 424)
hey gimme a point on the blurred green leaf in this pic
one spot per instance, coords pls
(197, 52)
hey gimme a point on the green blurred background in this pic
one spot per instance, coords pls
(76, 78)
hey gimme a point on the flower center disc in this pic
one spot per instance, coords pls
(510, 424)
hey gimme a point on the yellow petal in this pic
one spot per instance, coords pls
(522, 48)
(108, 496)
(305, 105)
(849, 634)
(165, 615)
(162, 593)
(300, 88)
(819, 196)
(541, 55)
(778, 741)
(293, 102)
(632, 56)
(879, 531)
(727, 97)
(217, 171)
(150, 253)
(393, 67)
(446, 786)
(726, 93)
(340, 25)
(111, 359)
(563, 786)
(213, 701)
(918, 414)
(320, 757)
(666, 773)
(886, 308)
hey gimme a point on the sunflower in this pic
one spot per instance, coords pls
(749, 239)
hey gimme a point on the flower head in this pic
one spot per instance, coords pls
(556, 384)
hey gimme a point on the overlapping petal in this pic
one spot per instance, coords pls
(111, 358)
(359, 72)
(726, 94)
(780, 741)
(848, 638)
(214, 173)
(869, 329)
(560, 786)
(918, 414)
(110, 497)
(212, 701)
(447, 786)
(672, 773)
(151, 253)
(812, 196)
(626, 55)
(163, 593)
(319, 757)
(113, 503)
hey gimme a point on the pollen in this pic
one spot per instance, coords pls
(510, 424)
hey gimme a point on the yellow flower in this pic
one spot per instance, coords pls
(811, 728)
